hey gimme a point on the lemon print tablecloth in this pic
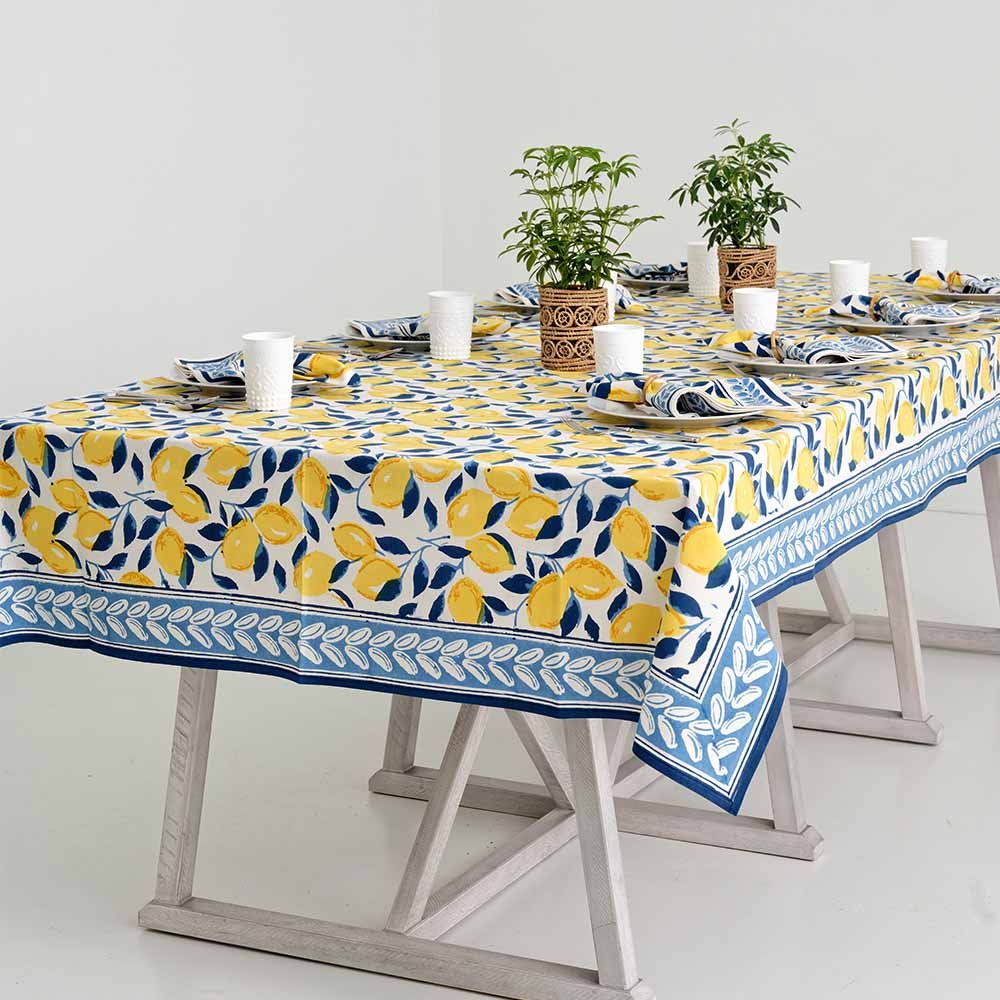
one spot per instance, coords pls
(441, 532)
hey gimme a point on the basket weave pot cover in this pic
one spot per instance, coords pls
(567, 319)
(749, 267)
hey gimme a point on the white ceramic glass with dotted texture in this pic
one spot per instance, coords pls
(849, 277)
(268, 358)
(929, 253)
(618, 348)
(703, 269)
(450, 322)
(755, 309)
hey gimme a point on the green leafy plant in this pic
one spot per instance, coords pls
(736, 190)
(574, 237)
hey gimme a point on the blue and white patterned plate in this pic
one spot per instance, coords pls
(914, 330)
(648, 416)
(769, 366)
(949, 294)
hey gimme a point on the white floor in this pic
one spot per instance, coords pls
(905, 901)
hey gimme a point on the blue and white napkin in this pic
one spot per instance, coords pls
(701, 397)
(814, 351)
(401, 328)
(892, 312)
(656, 272)
(227, 369)
(954, 281)
(525, 293)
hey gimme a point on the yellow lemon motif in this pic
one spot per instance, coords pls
(971, 361)
(710, 481)
(89, 525)
(311, 575)
(468, 512)
(530, 513)
(388, 482)
(745, 499)
(168, 468)
(37, 525)
(373, 573)
(508, 481)
(188, 504)
(859, 448)
(465, 601)
(225, 461)
(589, 579)
(702, 549)
(134, 579)
(986, 374)
(312, 483)
(30, 442)
(671, 624)
(98, 447)
(805, 471)
(239, 547)
(277, 524)
(489, 554)
(326, 364)
(949, 395)
(11, 483)
(905, 421)
(833, 429)
(353, 541)
(69, 494)
(638, 624)
(663, 580)
(433, 470)
(58, 558)
(631, 533)
(169, 551)
(657, 484)
(547, 601)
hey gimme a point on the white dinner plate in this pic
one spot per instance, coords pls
(857, 323)
(951, 295)
(351, 335)
(769, 366)
(647, 416)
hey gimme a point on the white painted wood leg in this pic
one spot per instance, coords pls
(175, 910)
(539, 741)
(401, 733)
(439, 817)
(601, 852)
(185, 785)
(989, 474)
(913, 723)
(836, 632)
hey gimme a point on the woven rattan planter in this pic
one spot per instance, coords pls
(750, 267)
(567, 319)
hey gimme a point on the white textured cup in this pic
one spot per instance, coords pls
(267, 364)
(450, 322)
(849, 277)
(703, 269)
(618, 348)
(929, 253)
(755, 309)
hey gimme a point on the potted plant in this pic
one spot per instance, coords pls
(735, 189)
(571, 244)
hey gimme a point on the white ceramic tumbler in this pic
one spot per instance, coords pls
(849, 277)
(618, 348)
(929, 253)
(755, 309)
(450, 322)
(703, 269)
(267, 365)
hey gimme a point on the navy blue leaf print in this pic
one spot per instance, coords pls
(280, 578)
(261, 562)
(454, 551)
(592, 628)
(519, 583)
(618, 604)
(496, 604)
(362, 464)
(632, 577)
(571, 616)
(300, 551)
(8, 447)
(129, 529)
(584, 511)
(32, 482)
(268, 463)
(667, 534)
(496, 512)
(256, 498)
(552, 481)
(161, 505)
(286, 490)
(551, 527)
(436, 608)
(454, 488)
(603, 541)
(30, 558)
(309, 523)
(339, 570)
(608, 507)
(393, 545)
(197, 552)
(619, 482)
(700, 646)
(156, 447)
(192, 465)
(241, 478)
(60, 522)
(145, 556)
(684, 604)
(411, 497)
(289, 460)
(443, 575)
(370, 516)
(420, 578)
(430, 515)
(225, 582)
(213, 532)
(567, 549)
(137, 470)
(116, 562)
(82, 472)
(719, 575)
(8, 524)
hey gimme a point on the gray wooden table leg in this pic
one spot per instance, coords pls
(601, 851)
(401, 734)
(989, 474)
(185, 785)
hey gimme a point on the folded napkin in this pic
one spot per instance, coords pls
(702, 397)
(892, 312)
(954, 281)
(814, 351)
(657, 272)
(227, 369)
(403, 328)
(525, 293)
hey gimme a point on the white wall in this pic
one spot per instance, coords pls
(174, 174)
(836, 81)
